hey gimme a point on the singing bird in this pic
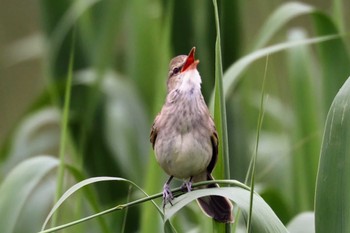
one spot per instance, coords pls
(184, 136)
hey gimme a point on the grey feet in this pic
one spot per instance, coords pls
(187, 185)
(167, 194)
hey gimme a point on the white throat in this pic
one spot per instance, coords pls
(191, 81)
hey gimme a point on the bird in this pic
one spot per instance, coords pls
(184, 137)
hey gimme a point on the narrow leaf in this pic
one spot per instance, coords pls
(220, 107)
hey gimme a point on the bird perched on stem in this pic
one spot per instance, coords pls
(184, 137)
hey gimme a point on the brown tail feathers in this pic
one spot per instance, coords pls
(217, 207)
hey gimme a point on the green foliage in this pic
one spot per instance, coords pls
(16, 191)
(106, 67)
(332, 193)
(263, 218)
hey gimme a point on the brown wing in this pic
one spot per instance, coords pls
(215, 142)
(154, 131)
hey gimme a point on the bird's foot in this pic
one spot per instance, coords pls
(187, 185)
(167, 195)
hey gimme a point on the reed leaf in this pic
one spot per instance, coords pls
(263, 218)
(332, 200)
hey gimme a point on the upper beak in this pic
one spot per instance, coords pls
(190, 62)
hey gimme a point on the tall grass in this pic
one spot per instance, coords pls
(104, 92)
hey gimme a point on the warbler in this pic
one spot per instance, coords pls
(184, 136)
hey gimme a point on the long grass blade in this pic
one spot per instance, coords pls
(220, 108)
(223, 164)
(234, 72)
(332, 201)
(93, 180)
(64, 126)
(279, 18)
(251, 170)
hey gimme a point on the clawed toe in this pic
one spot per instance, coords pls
(187, 186)
(167, 195)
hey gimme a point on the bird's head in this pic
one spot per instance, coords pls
(183, 74)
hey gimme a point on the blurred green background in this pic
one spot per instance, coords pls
(121, 54)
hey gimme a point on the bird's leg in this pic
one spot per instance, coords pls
(187, 185)
(167, 194)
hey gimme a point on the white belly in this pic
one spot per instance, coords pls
(184, 155)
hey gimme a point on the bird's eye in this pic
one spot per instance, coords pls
(176, 70)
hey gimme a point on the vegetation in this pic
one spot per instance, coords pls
(278, 91)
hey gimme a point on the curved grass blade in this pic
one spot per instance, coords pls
(29, 138)
(19, 185)
(324, 26)
(72, 190)
(263, 218)
(333, 54)
(91, 196)
(332, 201)
(233, 74)
(83, 183)
(77, 187)
(279, 18)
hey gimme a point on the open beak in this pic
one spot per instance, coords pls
(190, 62)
